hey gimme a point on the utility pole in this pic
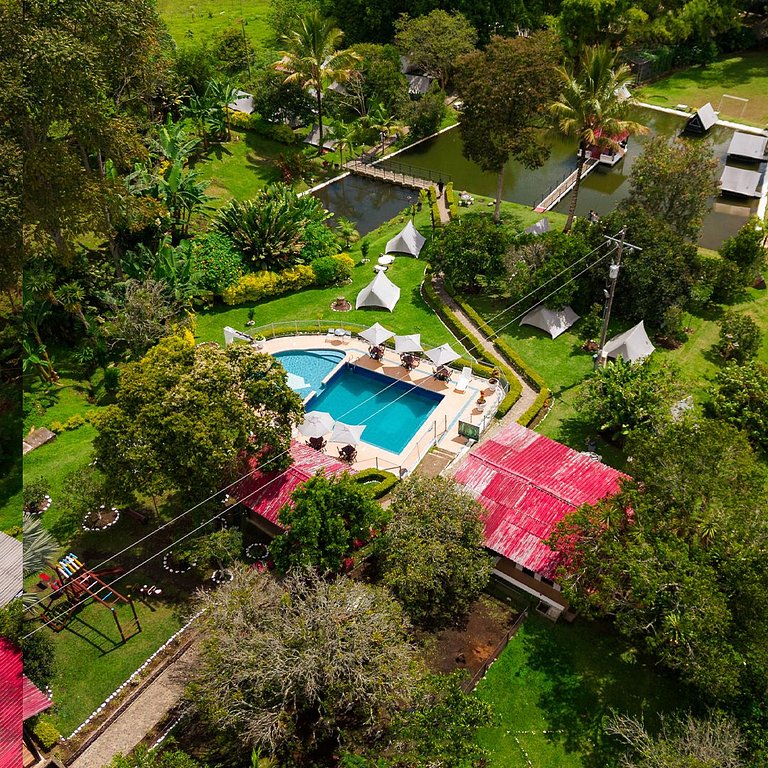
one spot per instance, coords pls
(613, 277)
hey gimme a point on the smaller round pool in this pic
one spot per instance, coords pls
(308, 367)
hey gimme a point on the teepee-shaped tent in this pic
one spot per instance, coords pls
(409, 241)
(549, 320)
(381, 292)
(633, 344)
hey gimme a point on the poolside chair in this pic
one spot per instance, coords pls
(318, 443)
(464, 379)
(348, 453)
(331, 335)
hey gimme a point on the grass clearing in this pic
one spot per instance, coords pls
(200, 20)
(89, 663)
(554, 685)
(744, 75)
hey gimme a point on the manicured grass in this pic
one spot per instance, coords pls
(552, 689)
(411, 315)
(241, 167)
(195, 21)
(744, 75)
(90, 662)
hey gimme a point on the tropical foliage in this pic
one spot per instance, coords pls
(740, 397)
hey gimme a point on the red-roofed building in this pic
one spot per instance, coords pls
(265, 493)
(20, 699)
(527, 483)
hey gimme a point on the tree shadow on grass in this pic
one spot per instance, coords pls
(585, 681)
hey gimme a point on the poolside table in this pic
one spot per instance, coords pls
(386, 259)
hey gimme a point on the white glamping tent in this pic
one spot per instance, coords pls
(551, 321)
(409, 241)
(633, 344)
(381, 292)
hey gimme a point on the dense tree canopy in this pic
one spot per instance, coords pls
(678, 557)
(185, 415)
(740, 397)
(328, 517)
(506, 89)
(434, 560)
(303, 666)
(675, 181)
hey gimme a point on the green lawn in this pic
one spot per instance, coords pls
(241, 167)
(91, 664)
(744, 75)
(199, 20)
(552, 688)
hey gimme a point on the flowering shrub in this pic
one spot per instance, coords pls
(332, 270)
(261, 285)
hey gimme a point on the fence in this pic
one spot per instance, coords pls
(470, 684)
(394, 169)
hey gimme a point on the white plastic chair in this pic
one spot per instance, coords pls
(464, 379)
(331, 335)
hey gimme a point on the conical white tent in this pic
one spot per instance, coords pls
(549, 320)
(633, 344)
(409, 241)
(380, 292)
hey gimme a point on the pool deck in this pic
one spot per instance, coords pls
(442, 425)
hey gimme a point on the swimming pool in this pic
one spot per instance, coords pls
(311, 365)
(393, 411)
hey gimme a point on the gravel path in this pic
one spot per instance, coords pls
(148, 709)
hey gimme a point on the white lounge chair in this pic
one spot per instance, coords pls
(331, 335)
(464, 379)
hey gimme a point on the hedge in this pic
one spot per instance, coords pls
(386, 481)
(450, 200)
(473, 347)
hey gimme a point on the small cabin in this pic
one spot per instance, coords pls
(702, 120)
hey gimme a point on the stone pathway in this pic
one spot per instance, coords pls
(528, 393)
(149, 708)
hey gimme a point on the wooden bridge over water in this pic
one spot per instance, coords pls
(560, 190)
(398, 173)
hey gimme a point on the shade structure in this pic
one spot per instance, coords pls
(442, 355)
(411, 343)
(633, 344)
(747, 146)
(738, 181)
(554, 322)
(243, 102)
(316, 424)
(704, 118)
(376, 334)
(539, 228)
(313, 139)
(380, 292)
(409, 241)
(349, 434)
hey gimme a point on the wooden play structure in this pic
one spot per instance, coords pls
(78, 584)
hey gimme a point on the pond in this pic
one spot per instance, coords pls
(371, 203)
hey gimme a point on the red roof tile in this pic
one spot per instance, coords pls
(10, 705)
(266, 493)
(527, 483)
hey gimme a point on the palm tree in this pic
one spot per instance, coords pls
(343, 136)
(39, 546)
(311, 58)
(591, 109)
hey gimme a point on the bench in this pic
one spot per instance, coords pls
(137, 514)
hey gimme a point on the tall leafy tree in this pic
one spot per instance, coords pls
(434, 558)
(740, 397)
(591, 109)
(311, 56)
(302, 667)
(186, 417)
(675, 181)
(506, 89)
(328, 516)
(435, 41)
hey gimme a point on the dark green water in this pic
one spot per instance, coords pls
(600, 191)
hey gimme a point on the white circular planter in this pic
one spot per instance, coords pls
(108, 525)
(168, 567)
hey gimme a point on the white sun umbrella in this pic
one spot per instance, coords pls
(376, 334)
(349, 434)
(316, 424)
(411, 343)
(442, 355)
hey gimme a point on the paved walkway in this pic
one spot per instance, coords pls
(146, 711)
(528, 393)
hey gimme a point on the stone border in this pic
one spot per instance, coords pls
(104, 527)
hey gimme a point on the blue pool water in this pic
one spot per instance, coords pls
(312, 365)
(393, 411)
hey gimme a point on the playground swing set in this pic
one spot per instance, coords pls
(79, 584)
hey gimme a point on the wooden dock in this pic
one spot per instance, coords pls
(392, 175)
(565, 186)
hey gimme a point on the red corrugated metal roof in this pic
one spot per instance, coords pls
(527, 483)
(10, 705)
(34, 701)
(266, 495)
